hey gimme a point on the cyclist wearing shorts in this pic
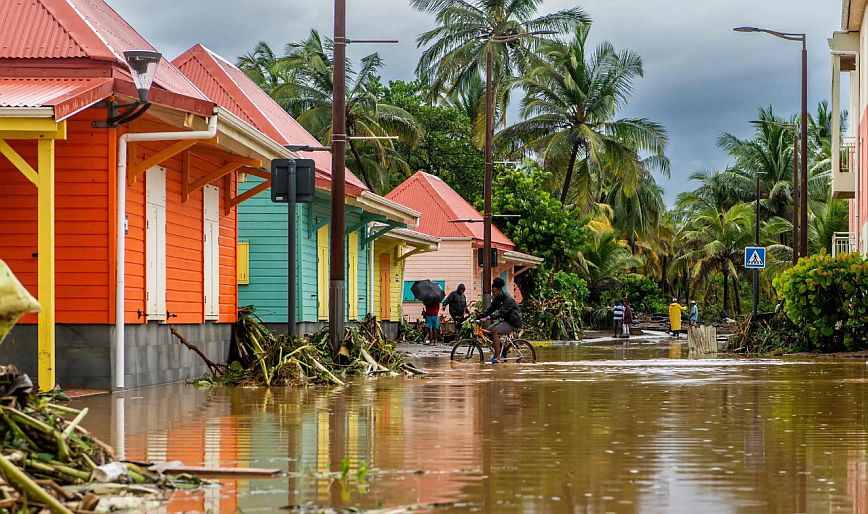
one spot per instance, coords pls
(506, 314)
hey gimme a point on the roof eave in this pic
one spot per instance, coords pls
(522, 258)
(259, 145)
(392, 210)
(26, 112)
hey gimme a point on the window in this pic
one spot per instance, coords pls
(408, 294)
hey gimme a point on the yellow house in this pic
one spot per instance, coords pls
(390, 253)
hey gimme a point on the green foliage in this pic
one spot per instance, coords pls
(643, 293)
(826, 298)
(446, 149)
(555, 310)
(544, 226)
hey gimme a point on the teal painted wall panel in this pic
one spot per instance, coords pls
(263, 224)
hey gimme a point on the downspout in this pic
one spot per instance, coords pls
(371, 256)
(121, 232)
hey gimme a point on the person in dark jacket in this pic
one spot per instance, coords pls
(505, 312)
(457, 303)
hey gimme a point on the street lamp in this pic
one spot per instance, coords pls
(803, 197)
(501, 38)
(143, 66)
(795, 221)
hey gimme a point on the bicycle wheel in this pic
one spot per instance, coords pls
(520, 350)
(467, 349)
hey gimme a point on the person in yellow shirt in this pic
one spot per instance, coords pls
(675, 310)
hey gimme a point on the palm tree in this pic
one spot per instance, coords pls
(636, 214)
(259, 66)
(569, 117)
(605, 258)
(770, 153)
(306, 92)
(456, 49)
(718, 238)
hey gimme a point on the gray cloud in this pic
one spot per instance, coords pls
(701, 78)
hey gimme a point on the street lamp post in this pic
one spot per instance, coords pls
(757, 243)
(803, 196)
(492, 38)
(795, 221)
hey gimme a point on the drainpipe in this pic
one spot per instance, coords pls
(121, 233)
(370, 273)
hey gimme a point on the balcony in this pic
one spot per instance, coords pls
(843, 180)
(844, 242)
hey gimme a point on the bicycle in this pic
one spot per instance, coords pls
(471, 346)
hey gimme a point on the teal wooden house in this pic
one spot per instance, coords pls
(262, 225)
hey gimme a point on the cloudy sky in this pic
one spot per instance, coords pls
(701, 78)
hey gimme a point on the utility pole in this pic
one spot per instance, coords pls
(337, 230)
(803, 196)
(487, 179)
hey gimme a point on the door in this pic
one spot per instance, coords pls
(322, 272)
(385, 287)
(155, 243)
(211, 251)
(353, 275)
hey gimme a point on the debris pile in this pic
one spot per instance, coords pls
(266, 359)
(49, 461)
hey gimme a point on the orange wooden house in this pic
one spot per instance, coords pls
(159, 191)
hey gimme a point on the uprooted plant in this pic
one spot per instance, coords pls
(267, 359)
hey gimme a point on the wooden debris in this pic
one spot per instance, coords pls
(702, 340)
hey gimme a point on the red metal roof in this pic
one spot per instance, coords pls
(67, 96)
(439, 204)
(76, 29)
(230, 88)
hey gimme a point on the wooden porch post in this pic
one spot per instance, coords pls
(46, 355)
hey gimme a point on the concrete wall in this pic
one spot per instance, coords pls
(153, 356)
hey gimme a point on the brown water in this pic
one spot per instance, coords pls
(589, 429)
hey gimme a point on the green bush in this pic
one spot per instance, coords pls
(827, 300)
(643, 294)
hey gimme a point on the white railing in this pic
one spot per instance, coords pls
(844, 242)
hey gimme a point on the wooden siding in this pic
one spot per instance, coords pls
(393, 249)
(262, 224)
(185, 295)
(84, 221)
(455, 263)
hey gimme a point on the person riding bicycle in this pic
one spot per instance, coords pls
(505, 311)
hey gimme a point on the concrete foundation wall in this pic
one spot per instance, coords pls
(153, 356)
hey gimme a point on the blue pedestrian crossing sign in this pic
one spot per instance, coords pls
(755, 257)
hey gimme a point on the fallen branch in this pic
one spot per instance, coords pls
(213, 367)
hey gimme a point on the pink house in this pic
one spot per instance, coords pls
(456, 261)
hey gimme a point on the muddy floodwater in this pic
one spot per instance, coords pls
(588, 429)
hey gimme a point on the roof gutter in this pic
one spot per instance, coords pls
(123, 142)
(242, 131)
(26, 112)
(845, 15)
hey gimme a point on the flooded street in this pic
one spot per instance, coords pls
(587, 429)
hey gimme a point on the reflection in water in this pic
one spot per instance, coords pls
(591, 429)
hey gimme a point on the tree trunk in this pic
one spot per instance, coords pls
(664, 282)
(725, 293)
(687, 284)
(569, 177)
(736, 292)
